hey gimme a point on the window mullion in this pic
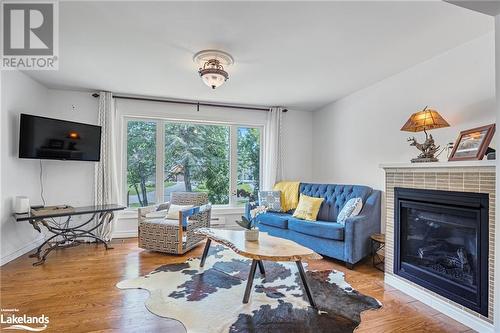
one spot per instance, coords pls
(233, 160)
(124, 156)
(160, 160)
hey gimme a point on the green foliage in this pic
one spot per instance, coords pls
(141, 157)
(245, 223)
(203, 153)
(245, 187)
(200, 152)
(249, 160)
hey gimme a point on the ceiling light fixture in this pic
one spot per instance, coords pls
(212, 64)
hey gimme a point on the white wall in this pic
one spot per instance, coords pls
(355, 134)
(65, 182)
(70, 182)
(497, 217)
(298, 140)
(18, 177)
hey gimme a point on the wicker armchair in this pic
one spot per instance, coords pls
(174, 236)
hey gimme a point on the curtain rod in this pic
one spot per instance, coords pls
(198, 104)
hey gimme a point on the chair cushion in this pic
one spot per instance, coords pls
(173, 211)
(277, 220)
(157, 214)
(323, 229)
(166, 221)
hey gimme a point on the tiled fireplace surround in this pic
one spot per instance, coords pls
(476, 176)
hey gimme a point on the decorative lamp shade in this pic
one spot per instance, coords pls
(424, 120)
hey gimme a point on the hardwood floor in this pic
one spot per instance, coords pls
(76, 289)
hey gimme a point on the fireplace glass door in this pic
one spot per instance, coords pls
(441, 243)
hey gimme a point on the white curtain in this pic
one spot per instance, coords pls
(106, 184)
(273, 149)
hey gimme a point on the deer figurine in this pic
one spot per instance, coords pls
(427, 149)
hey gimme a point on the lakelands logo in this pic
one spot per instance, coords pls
(22, 322)
(30, 36)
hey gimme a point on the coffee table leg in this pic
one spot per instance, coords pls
(261, 268)
(303, 277)
(251, 275)
(205, 252)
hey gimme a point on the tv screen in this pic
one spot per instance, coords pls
(47, 138)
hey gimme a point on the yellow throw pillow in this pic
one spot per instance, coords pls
(308, 208)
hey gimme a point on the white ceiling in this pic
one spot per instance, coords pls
(297, 54)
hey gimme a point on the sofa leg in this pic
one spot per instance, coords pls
(349, 265)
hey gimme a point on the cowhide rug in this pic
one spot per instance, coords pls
(209, 299)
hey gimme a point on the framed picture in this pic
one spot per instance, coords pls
(472, 144)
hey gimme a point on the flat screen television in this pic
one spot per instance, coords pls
(55, 139)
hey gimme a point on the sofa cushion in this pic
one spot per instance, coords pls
(277, 220)
(323, 229)
(335, 197)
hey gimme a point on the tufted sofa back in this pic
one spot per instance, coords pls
(335, 197)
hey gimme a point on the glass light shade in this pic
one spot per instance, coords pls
(213, 80)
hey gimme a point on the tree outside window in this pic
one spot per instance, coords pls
(197, 157)
(248, 164)
(141, 163)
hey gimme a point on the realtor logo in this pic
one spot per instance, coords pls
(23, 322)
(30, 35)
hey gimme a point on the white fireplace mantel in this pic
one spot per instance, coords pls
(432, 165)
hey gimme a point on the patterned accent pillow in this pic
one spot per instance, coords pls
(271, 200)
(351, 208)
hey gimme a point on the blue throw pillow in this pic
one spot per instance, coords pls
(351, 208)
(271, 200)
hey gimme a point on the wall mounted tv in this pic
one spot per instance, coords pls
(55, 139)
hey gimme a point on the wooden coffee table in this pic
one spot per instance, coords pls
(267, 248)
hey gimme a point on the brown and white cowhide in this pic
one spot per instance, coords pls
(209, 299)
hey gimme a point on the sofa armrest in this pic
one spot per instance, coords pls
(358, 229)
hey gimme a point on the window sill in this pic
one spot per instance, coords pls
(221, 210)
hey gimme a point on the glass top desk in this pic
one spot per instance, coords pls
(64, 234)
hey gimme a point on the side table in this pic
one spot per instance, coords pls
(378, 245)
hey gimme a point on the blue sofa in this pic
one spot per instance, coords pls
(349, 243)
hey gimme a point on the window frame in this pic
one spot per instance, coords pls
(160, 154)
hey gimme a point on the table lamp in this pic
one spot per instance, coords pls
(424, 120)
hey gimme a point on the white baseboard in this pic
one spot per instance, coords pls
(22, 250)
(125, 233)
(446, 308)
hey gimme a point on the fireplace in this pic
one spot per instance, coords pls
(441, 243)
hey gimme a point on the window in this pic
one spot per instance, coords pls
(141, 163)
(168, 156)
(248, 181)
(197, 159)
